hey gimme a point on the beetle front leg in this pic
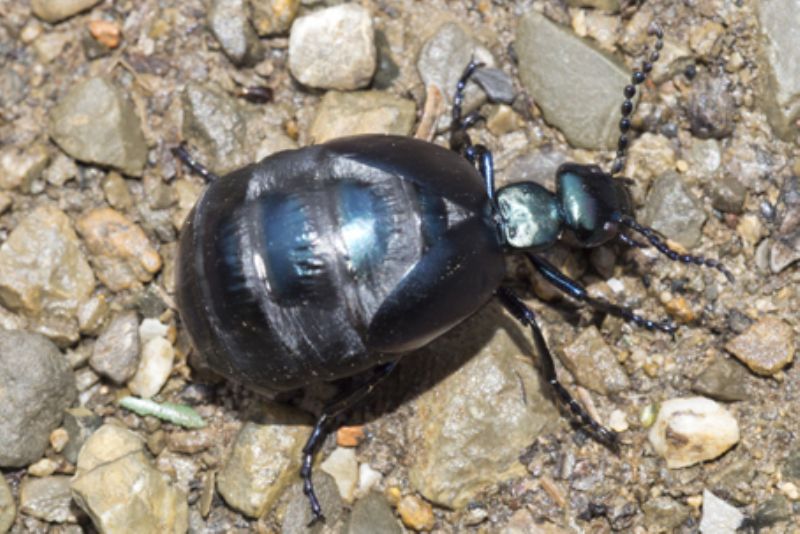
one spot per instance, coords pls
(525, 315)
(332, 410)
(578, 292)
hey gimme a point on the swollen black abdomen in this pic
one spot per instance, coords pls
(283, 265)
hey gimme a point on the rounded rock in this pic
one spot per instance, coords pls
(36, 386)
(58, 10)
(333, 48)
(692, 430)
(766, 347)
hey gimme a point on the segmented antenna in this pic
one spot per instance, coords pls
(638, 77)
(674, 255)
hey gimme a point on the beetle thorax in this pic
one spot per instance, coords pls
(531, 218)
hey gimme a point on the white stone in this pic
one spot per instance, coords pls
(155, 366)
(333, 48)
(343, 467)
(719, 517)
(691, 430)
(368, 478)
(150, 328)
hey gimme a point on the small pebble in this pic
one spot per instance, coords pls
(58, 439)
(151, 328)
(719, 516)
(692, 430)
(343, 467)
(790, 490)
(416, 513)
(766, 347)
(106, 32)
(368, 478)
(618, 421)
(155, 366)
(350, 436)
(43, 468)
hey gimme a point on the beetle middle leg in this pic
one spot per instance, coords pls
(331, 411)
(578, 292)
(526, 316)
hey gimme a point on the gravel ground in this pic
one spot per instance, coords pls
(464, 437)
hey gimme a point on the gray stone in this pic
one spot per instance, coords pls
(443, 59)
(780, 56)
(593, 363)
(664, 514)
(263, 460)
(496, 83)
(718, 515)
(36, 386)
(19, 168)
(538, 166)
(373, 514)
(128, 495)
(606, 5)
(786, 248)
(790, 469)
(110, 442)
(273, 16)
(13, 88)
(47, 498)
(228, 22)
(298, 514)
(341, 114)
(333, 48)
(79, 423)
(60, 170)
(774, 510)
(724, 380)
(472, 426)
(711, 108)
(213, 123)
(96, 123)
(674, 211)
(58, 10)
(116, 353)
(577, 86)
(8, 509)
(765, 347)
(728, 195)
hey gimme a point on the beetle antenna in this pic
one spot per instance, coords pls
(638, 77)
(671, 253)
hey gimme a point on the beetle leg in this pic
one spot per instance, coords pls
(672, 254)
(331, 411)
(578, 292)
(526, 316)
(182, 153)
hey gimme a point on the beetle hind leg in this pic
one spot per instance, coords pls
(526, 316)
(331, 411)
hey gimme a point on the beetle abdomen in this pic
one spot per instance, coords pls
(284, 265)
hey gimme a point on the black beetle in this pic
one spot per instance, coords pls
(334, 260)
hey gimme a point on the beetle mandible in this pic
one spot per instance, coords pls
(334, 260)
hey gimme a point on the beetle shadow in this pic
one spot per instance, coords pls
(421, 370)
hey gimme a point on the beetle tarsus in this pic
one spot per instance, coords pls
(182, 153)
(578, 292)
(525, 315)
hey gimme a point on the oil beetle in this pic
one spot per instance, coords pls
(334, 260)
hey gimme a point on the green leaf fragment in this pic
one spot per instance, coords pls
(178, 414)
